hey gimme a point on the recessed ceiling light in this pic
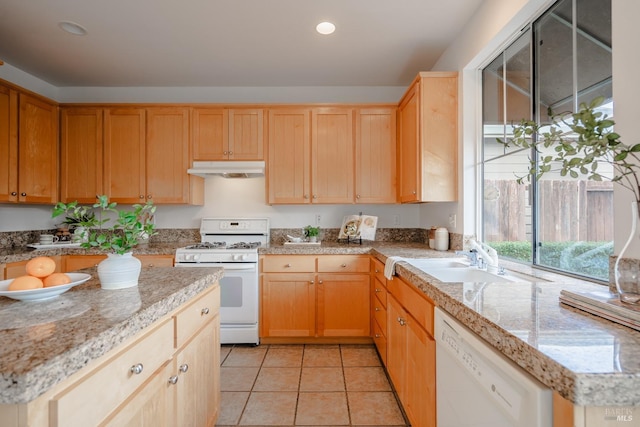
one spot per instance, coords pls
(325, 28)
(72, 28)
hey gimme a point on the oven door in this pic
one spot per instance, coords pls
(238, 292)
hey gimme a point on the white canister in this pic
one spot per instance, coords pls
(442, 239)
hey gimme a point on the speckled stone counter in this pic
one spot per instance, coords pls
(45, 342)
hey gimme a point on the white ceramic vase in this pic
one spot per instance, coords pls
(627, 271)
(119, 271)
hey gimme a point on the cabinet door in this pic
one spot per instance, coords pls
(289, 156)
(439, 133)
(81, 155)
(150, 261)
(288, 305)
(124, 155)
(332, 149)
(209, 134)
(246, 140)
(408, 133)
(167, 155)
(8, 145)
(343, 305)
(150, 405)
(420, 398)
(38, 151)
(375, 161)
(197, 367)
(396, 345)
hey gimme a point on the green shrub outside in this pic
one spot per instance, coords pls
(584, 258)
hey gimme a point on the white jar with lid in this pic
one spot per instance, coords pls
(442, 239)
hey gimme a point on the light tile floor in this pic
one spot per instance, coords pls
(306, 385)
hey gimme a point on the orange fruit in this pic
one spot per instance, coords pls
(22, 283)
(41, 266)
(56, 279)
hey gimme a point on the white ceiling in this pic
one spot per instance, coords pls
(202, 43)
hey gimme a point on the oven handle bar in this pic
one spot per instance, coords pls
(226, 266)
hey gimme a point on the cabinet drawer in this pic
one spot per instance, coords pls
(380, 340)
(380, 292)
(190, 319)
(78, 262)
(380, 314)
(88, 403)
(288, 264)
(377, 268)
(343, 264)
(414, 301)
(155, 260)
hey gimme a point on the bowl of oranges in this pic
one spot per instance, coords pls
(41, 281)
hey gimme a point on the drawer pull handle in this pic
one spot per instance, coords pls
(204, 311)
(173, 379)
(137, 369)
(378, 290)
(184, 368)
(343, 265)
(288, 266)
(402, 321)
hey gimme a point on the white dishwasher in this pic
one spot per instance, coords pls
(477, 386)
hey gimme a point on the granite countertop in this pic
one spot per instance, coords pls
(588, 360)
(45, 342)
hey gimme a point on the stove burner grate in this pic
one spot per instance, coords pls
(207, 245)
(244, 245)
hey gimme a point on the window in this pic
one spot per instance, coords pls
(562, 59)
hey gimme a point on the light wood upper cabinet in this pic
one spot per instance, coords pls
(428, 138)
(375, 158)
(227, 134)
(332, 155)
(167, 155)
(8, 145)
(81, 154)
(124, 154)
(147, 156)
(288, 169)
(38, 150)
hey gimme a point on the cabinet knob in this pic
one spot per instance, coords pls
(306, 196)
(13, 193)
(288, 266)
(377, 335)
(311, 282)
(378, 290)
(315, 196)
(150, 265)
(204, 311)
(377, 271)
(142, 196)
(343, 265)
(173, 379)
(23, 194)
(184, 368)
(231, 153)
(137, 369)
(377, 309)
(320, 282)
(414, 192)
(149, 196)
(402, 321)
(226, 153)
(357, 196)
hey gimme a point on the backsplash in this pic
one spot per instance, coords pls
(15, 239)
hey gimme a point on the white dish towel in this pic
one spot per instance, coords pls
(390, 266)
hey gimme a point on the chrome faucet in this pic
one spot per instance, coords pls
(487, 253)
(472, 255)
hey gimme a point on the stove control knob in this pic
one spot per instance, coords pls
(239, 257)
(196, 257)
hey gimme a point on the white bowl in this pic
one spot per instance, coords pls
(42, 293)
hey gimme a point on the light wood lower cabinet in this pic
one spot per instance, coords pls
(379, 308)
(411, 352)
(315, 296)
(169, 375)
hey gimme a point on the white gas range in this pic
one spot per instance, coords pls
(232, 243)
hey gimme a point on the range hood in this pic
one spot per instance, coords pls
(228, 169)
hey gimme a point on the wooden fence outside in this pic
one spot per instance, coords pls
(569, 211)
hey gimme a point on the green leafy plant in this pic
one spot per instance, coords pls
(581, 142)
(118, 235)
(310, 231)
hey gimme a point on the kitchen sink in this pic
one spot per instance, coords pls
(452, 270)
